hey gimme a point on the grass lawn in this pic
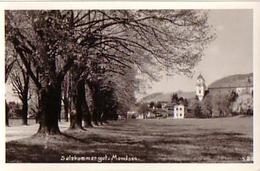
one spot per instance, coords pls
(155, 140)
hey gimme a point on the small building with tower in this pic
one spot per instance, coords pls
(200, 87)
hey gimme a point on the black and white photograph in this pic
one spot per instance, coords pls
(129, 85)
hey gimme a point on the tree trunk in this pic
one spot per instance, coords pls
(94, 88)
(25, 112)
(106, 116)
(87, 118)
(99, 117)
(86, 114)
(49, 108)
(59, 116)
(38, 108)
(6, 114)
(66, 98)
(25, 100)
(95, 113)
(59, 97)
(66, 108)
(78, 99)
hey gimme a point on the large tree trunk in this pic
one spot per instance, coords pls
(94, 88)
(66, 98)
(66, 108)
(49, 108)
(78, 100)
(25, 112)
(87, 114)
(105, 116)
(59, 104)
(95, 112)
(87, 118)
(6, 114)
(25, 100)
(38, 108)
(100, 106)
(99, 117)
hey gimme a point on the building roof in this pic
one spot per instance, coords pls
(234, 81)
(171, 105)
(181, 104)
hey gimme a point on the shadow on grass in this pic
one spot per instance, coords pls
(148, 144)
(21, 153)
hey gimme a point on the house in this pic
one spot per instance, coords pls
(179, 111)
(176, 110)
(131, 114)
(14, 110)
(164, 104)
(150, 115)
(140, 116)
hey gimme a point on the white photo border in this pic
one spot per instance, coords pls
(255, 6)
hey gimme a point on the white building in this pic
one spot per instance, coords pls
(140, 116)
(150, 115)
(178, 111)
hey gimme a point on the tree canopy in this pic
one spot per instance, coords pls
(104, 49)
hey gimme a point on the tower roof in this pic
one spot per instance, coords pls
(200, 77)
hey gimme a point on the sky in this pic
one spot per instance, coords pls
(230, 53)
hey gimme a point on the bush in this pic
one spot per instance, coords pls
(243, 105)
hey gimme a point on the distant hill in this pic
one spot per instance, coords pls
(238, 80)
(165, 96)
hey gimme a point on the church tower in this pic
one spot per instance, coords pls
(200, 87)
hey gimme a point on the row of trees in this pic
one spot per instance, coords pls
(93, 56)
(176, 99)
